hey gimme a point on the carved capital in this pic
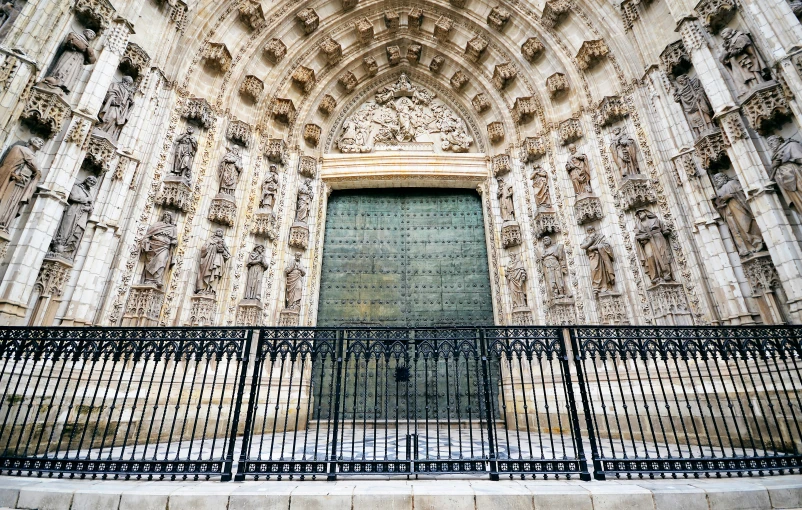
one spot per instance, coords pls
(503, 75)
(45, 112)
(766, 108)
(175, 194)
(562, 314)
(692, 33)
(669, 304)
(274, 50)
(591, 53)
(308, 20)
(569, 131)
(199, 111)
(143, 306)
(733, 126)
(265, 224)
(239, 132)
(532, 48)
(685, 164)
(283, 110)
(556, 84)
(299, 236)
(249, 312)
(217, 57)
(252, 88)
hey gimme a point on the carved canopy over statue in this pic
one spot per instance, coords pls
(404, 113)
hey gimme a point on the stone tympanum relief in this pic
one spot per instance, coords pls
(555, 271)
(295, 273)
(540, 186)
(19, 175)
(653, 249)
(601, 257)
(116, 110)
(257, 264)
(76, 52)
(157, 246)
(185, 148)
(731, 204)
(694, 102)
(404, 116)
(578, 169)
(786, 165)
(73, 224)
(742, 59)
(213, 257)
(625, 153)
(516, 282)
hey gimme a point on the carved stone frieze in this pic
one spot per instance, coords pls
(442, 28)
(94, 14)
(636, 191)
(223, 210)
(674, 60)
(415, 18)
(348, 82)
(307, 167)
(276, 150)
(327, 105)
(303, 78)
(437, 63)
(283, 110)
(532, 48)
(370, 65)
(587, 208)
(265, 224)
(502, 164)
(495, 132)
(391, 19)
(364, 30)
(612, 310)
(591, 53)
(202, 310)
(611, 110)
(554, 11)
(712, 150)
(299, 237)
(669, 305)
(251, 14)
(143, 306)
(175, 194)
(534, 147)
(393, 55)
(308, 19)
(239, 132)
(545, 222)
(556, 84)
(135, 61)
(475, 48)
(510, 234)
(332, 50)
(275, 50)
(480, 102)
(199, 111)
(53, 276)
(413, 53)
(45, 112)
(522, 318)
(217, 57)
(569, 131)
(498, 17)
(100, 154)
(252, 88)
(459, 80)
(715, 14)
(524, 109)
(312, 134)
(766, 108)
(503, 75)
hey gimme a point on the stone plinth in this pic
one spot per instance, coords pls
(562, 313)
(202, 310)
(522, 317)
(143, 307)
(175, 194)
(289, 318)
(669, 305)
(249, 313)
(612, 310)
(510, 234)
(587, 208)
(265, 224)
(545, 222)
(299, 235)
(636, 191)
(223, 210)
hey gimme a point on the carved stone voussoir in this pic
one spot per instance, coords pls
(611, 309)
(510, 234)
(442, 28)
(100, 153)
(265, 224)
(217, 57)
(475, 48)
(276, 150)
(348, 82)
(415, 18)
(556, 84)
(669, 305)
(393, 55)
(480, 102)
(327, 105)
(503, 75)
(587, 209)
(283, 110)
(332, 50)
(502, 165)
(94, 14)
(611, 110)
(533, 148)
(545, 222)
(252, 88)
(495, 132)
(459, 80)
(413, 53)
(712, 150)
(569, 130)
(675, 59)
(299, 237)
(370, 65)
(197, 110)
(251, 14)
(766, 108)
(524, 109)
(202, 310)
(143, 306)
(223, 210)
(498, 17)
(303, 78)
(312, 134)
(364, 30)
(591, 53)
(275, 50)
(308, 19)
(636, 191)
(349, 4)
(175, 194)
(135, 61)
(391, 20)
(307, 166)
(239, 132)
(45, 112)
(715, 14)
(532, 48)
(554, 11)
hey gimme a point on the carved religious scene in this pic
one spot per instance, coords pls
(404, 116)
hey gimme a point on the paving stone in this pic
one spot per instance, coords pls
(39, 498)
(143, 502)
(95, 501)
(736, 496)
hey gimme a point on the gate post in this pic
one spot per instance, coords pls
(572, 410)
(255, 381)
(488, 407)
(337, 390)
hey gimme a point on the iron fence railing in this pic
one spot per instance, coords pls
(330, 402)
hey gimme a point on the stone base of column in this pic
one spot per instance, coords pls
(265, 224)
(587, 208)
(510, 234)
(289, 318)
(299, 235)
(249, 313)
(545, 222)
(522, 317)
(175, 193)
(202, 311)
(611, 309)
(223, 210)
(636, 191)
(669, 305)
(143, 307)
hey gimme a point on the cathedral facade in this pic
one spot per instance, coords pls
(172, 162)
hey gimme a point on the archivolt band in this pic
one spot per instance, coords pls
(177, 403)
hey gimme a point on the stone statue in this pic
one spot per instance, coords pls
(555, 269)
(229, 171)
(505, 200)
(579, 170)
(742, 59)
(653, 249)
(158, 245)
(295, 283)
(257, 264)
(601, 258)
(6, 12)
(269, 190)
(19, 175)
(786, 165)
(76, 52)
(213, 257)
(693, 100)
(73, 223)
(731, 204)
(540, 184)
(185, 148)
(516, 281)
(117, 107)
(625, 153)
(305, 196)
(796, 7)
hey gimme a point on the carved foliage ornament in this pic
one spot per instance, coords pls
(533, 148)
(393, 55)
(712, 150)
(591, 53)
(45, 111)
(199, 111)
(495, 132)
(327, 105)
(556, 84)
(100, 153)
(94, 14)
(475, 47)
(303, 78)
(364, 30)
(332, 49)
(525, 108)
(239, 132)
(283, 110)
(312, 134)
(217, 57)
(276, 150)
(459, 80)
(480, 102)
(370, 65)
(442, 28)
(437, 63)
(348, 82)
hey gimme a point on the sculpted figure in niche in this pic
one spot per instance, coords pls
(19, 175)
(257, 264)
(693, 100)
(653, 250)
(540, 184)
(213, 257)
(786, 165)
(185, 148)
(305, 196)
(601, 258)
(625, 153)
(158, 245)
(731, 204)
(741, 57)
(76, 52)
(229, 171)
(555, 269)
(295, 283)
(73, 223)
(117, 107)
(505, 200)
(516, 281)
(579, 171)
(269, 190)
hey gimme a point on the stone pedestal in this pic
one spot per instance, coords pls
(587, 208)
(265, 224)
(561, 313)
(175, 194)
(223, 210)
(636, 191)
(545, 222)
(289, 318)
(765, 283)
(202, 311)
(50, 282)
(249, 313)
(611, 309)
(522, 317)
(510, 234)
(299, 235)
(669, 305)
(143, 307)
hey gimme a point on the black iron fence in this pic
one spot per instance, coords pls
(328, 402)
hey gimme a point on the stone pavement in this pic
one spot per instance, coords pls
(781, 492)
